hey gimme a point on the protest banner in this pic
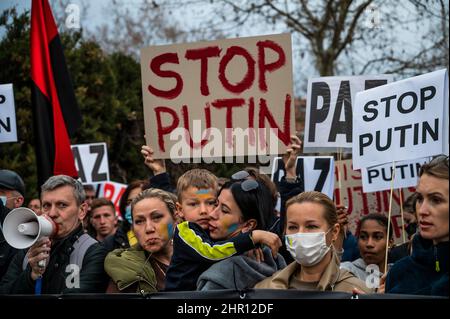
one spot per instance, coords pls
(91, 162)
(112, 191)
(316, 173)
(212, 98)
(329, 108)
(377, 178)
(360, 203)
(400, 121)
(8, 129)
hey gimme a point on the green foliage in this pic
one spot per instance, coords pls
(108, 91)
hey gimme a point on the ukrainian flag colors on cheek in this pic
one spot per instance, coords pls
(164, 230)
(228, 225)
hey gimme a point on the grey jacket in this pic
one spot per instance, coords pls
(239, 272)
(357, 268)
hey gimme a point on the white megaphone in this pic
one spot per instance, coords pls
(22, 227)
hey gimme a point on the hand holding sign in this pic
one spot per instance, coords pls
(157, 166)
(290, 157)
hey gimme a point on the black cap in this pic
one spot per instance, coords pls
(11, 180)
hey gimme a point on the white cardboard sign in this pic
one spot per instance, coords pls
(315, 172)
(8, 128)
(378, 178)
(330, 103)
(91, 162)
(400, 121)
(112, 191)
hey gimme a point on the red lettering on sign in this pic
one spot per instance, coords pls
(228, 104)
(155, 66)
(249, 77)
(264, 113)
(188, 135)
(270, 67)
(164, 130)
(203, 54)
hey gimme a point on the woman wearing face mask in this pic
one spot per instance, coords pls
(124, 236)
(142, 268)
(243, 206)
(310, 230)
(425, 272)
(372, 242)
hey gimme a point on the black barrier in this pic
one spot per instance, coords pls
(262, 294)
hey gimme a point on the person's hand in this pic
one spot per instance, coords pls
(256, 254)
(290, 157)
(342, 213)
(356, 291)
(382, 286)
(158, 166)
(40, 251)
(267, 238)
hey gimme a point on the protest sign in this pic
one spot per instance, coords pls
(212, 98)
(8, 129)
(314, 172)
(377, 178)
(112, 191)
(360, 203)
(399, 121)
(330, 103)
(91, 162)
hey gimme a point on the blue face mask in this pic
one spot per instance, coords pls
(3, 200)
(128, 214)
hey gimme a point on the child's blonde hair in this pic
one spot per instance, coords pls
(197, 177)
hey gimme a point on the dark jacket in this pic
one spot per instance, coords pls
(118, 240)
(93, 278)
(6, 251)
(194, 252)
(240, 272)
(161, 181)
(287, 190)
(350, 246)
(425, 272)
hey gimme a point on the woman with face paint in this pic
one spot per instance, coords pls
(311, 227)
(242, 206)
(142, 268)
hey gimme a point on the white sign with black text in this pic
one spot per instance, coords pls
(378, 178)
(91, 162)
(313, 172)
(400, 121)
(329, 108)
(8, 128)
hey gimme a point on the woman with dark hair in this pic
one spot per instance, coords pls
(425, 272)
(244, 205)
(372, 243)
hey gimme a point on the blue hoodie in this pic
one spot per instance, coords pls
(425, 272)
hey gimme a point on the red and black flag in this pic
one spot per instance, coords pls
(55, 111)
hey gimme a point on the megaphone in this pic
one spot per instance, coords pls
(22, 227)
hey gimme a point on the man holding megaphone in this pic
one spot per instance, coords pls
(61, 258)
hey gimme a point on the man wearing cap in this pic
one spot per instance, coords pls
(12, 192)
(12, 189)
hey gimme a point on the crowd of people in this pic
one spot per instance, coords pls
(211, 233)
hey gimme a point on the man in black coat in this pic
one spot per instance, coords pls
(12, 192)
(73, 260)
